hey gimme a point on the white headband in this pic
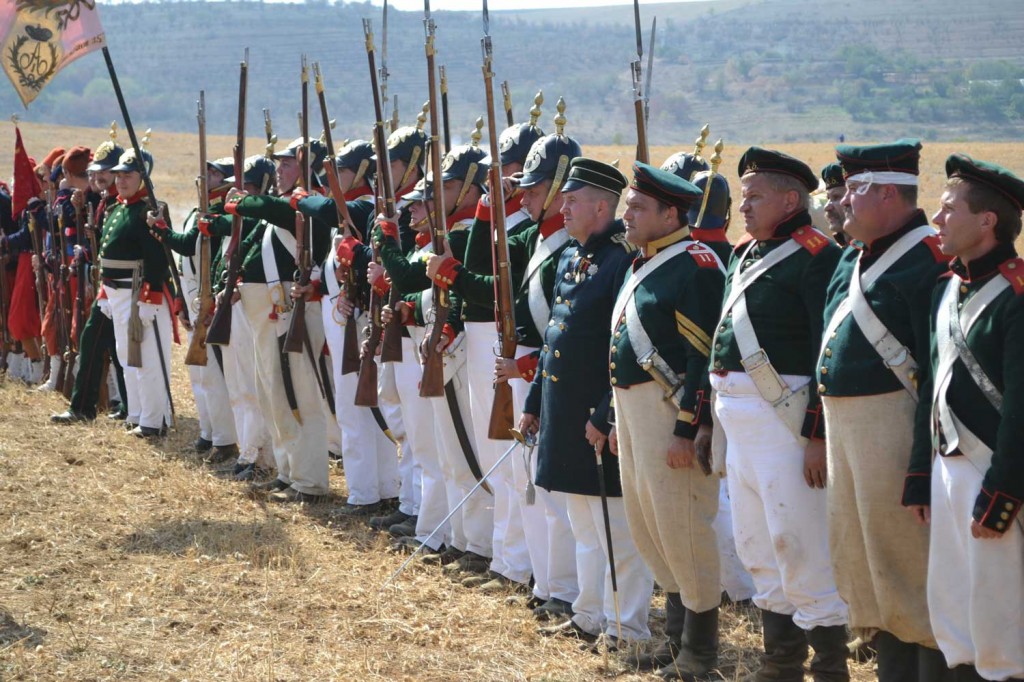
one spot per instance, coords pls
(883, 178)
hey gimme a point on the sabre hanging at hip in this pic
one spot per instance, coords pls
(518, 439)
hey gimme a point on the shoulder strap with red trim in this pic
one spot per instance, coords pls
(811, 239)
(702, 256)
(1013, 271)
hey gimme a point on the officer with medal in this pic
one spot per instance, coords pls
(835, 189)
(663, 321)
(268, 266)
(97, 335)
(534, 249)
(762, 365)
(569, 403)
(875, 388)
(976, 555)
(135, 296)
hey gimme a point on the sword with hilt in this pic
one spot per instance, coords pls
(196, 353)
(637, 70)
(716, 161)
(432, 382)
(502, 418)
(219, 331)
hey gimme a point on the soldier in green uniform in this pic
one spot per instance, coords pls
(663, 320)
(569, 403)
(762, 366)
(291, 402)
(135, 276)
(976, 555)
(534, 248)
(874, 383)
(467, 542)
(97, 338)
(835, 189)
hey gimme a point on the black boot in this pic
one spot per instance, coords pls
(698, 648)
(897, 660)
(932, 666)
(830, 653)
(785, 650)
(675, 616)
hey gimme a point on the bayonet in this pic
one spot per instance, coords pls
(650, 71)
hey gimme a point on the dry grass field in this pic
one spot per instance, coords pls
(123, 560)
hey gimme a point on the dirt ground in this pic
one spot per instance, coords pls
(125, 560)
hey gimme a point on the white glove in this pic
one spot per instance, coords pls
(148, 312)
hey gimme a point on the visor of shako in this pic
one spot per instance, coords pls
(225, 165)
(716, 213)
(259, 171)
(106, 156)
(128, 163)
(542, 161)
(515, 142)
(317, 151)
(421, 192)
(465, 163)
(358, 157)
(404, 143)
(684, 165)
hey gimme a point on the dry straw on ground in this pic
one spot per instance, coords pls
(122, 560)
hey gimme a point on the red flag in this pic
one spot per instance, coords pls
(26, 182)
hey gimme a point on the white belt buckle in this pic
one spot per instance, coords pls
(755, 360)
(897, 359)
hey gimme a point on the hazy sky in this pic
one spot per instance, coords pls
(474, 5)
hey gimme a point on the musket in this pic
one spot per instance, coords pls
(61, 277)
(196, 353)
(502, 417)
(5, 336)
(716, 161)
(383, 73)
(77, 314)
(366, 388)
(444, 110)
(394, 115)
(637, 69)
(154, 206)
(219, 331)
(506, 96)
(350, 347)
(432, 382)
(295, 341)
(650, 72)
(268, 151)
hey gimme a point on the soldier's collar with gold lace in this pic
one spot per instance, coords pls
(654, 246)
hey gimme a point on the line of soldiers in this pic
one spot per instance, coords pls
(746, 418)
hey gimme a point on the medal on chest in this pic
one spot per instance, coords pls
(580, 267)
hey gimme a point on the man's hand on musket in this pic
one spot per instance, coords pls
(157, 222)
(301, 291)
(510, 184)
(185, 322)
(403, 311)
(506, 369)
(235, 195)
(236, 296)
(437, 260)
(529, 424)
(374, 271)
(345, 307)
(78, 199)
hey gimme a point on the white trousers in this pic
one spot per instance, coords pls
(370, 458)
(300, 450)
(736, 580)
(546, 522)
(594, 608)
(780, 523)
(975, 586)
(473, 525)
(390, 403)
(240, 378)
(148, 403)
(510, 558)
(418, 417)
(216, 422)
